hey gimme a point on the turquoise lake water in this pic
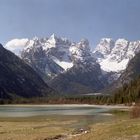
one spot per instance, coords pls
(41, 110)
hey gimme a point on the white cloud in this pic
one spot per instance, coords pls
(16, 45)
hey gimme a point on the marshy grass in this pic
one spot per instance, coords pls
(135, 113)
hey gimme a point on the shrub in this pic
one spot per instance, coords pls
(135, 113)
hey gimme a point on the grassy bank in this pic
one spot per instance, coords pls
(44, 127)
(34, 128)
(122, 127)
(118, 126)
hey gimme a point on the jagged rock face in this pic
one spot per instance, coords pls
(84, 77)
(131, 72)
(116, 66)
(116, 60)
(81, 78)
(104, 48)
(55, 56)
(36, 58)
(80, 52)
(48, 56)
(17, 79)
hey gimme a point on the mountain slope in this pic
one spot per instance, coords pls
(55, 55)
(115, 54)
(132, 71)
(66, 66)
(17, 79)
(128, 93)
(50, 56)
(79, 79)
(84, 77)
(55, 59)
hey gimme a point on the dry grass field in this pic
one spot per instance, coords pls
(118, 127)
(34, 128)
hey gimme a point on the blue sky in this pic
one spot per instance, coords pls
(74, 19)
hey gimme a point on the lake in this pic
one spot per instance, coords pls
(44, 110)
(47, 121)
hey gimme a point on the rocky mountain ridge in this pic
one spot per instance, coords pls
(56, 59)
(117, 55)
(17, 79)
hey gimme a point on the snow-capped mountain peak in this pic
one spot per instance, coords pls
(103, 48)
(84, 43)
(56, 55)
(121, 42)
(52, 40)
(116, 58)
(53, 54)
(80, 52)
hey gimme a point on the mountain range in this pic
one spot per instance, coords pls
(18, 79)
(72, 67)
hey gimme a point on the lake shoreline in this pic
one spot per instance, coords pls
(55, 126)
(118, 106)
